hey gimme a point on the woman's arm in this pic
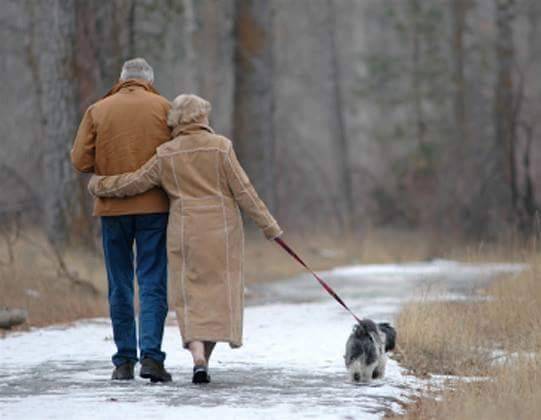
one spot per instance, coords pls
(247, 197)
(132, 183)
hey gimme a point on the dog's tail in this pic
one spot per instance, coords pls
(390, 335)
(364, 328)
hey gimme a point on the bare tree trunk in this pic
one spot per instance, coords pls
(215, 45)
(529, 202)
(189, 26)
(420, 127)
(254, 96)
(32, 60)
(456, 195)
(59, 105)
(459, 10)
(504, 115)
(131, 26)
(529, 125)
(343, 160)
(90, 84)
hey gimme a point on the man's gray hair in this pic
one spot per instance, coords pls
(137, 68)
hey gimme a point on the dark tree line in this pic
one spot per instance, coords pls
(344, 112)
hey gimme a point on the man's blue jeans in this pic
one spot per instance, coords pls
(119, 233)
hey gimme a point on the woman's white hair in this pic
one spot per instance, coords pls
(187, 109)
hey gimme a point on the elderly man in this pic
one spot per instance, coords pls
(118, 134)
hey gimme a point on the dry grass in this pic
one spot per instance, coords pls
(33, 281)
(514, 392)
(515, 311)
(47, 298)
(443, 337)
(460, 339)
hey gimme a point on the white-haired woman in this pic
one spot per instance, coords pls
(206, 185)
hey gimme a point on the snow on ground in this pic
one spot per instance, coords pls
(291, 365)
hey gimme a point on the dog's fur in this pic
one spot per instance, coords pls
(366, 350)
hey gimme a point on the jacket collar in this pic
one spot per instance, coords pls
(191, 128)
(121, 84)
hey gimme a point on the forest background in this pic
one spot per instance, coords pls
(350, 117)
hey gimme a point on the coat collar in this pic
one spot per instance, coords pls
(121, 84)
(191, 128)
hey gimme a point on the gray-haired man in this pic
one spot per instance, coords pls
(119, 134)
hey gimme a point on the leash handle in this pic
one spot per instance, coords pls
(322, 282)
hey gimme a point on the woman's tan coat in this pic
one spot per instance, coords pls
(206, 185)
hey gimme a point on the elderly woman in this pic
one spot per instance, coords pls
(200, 172)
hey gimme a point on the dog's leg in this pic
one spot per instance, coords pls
(379, 371)
(369, 372)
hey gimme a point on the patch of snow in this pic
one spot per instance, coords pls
(32, 293)
(427, 269)
(291, 366)
(500, 357)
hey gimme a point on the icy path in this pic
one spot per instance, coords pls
(290, 367)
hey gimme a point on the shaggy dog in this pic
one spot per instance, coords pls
(365, 350)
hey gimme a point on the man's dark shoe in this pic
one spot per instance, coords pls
(123, 372)
(150, 369)
(200, 375)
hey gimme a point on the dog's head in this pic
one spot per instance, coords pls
(389, 335)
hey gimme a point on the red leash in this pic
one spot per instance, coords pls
(324, 284)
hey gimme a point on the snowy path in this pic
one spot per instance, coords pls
(290, 366)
